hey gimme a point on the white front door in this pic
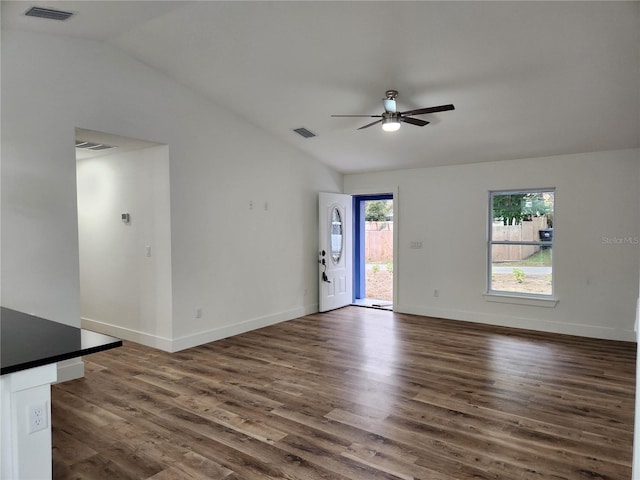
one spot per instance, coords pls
(336, 251)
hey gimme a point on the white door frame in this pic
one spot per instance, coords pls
(394, 190)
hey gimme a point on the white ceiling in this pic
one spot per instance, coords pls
(528, 79)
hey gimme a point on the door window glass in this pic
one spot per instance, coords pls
(336, 235)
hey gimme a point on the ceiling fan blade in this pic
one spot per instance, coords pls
(424, 111)
(389, 105)
(370, 124)
(414, 121)
(376, 116)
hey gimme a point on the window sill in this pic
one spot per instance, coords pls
(521, 300)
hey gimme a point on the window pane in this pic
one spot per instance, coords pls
(336, 235)
(521, 269)
(522, 216)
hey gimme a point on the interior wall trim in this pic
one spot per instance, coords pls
(143, 338)
(219, 333)
(591, 331)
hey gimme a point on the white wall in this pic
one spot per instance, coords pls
(446, 208)
(636, 423)
(39, 224)
(125, 288)
(245, 268)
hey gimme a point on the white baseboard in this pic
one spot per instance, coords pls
(219, 333)
(130, 334)
(195, 339)
(70, 370)
(550, 326)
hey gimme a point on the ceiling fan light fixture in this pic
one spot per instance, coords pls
(390, 123)
(391, 118)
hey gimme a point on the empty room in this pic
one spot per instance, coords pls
(184, 242)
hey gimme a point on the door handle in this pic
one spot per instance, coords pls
(323, 262)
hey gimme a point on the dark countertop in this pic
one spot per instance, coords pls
(27, 341)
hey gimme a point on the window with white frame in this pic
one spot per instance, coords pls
(521, 242)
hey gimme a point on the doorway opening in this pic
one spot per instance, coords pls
(373, 251)
(124, 237)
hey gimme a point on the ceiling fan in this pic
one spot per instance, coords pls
(391, 118)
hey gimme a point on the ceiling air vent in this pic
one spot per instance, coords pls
(304, 132)
(93, 146)
(48, 13)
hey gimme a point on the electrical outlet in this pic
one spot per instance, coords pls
(37, 417)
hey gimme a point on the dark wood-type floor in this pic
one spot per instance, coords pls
(353, 394)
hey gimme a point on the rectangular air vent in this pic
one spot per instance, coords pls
(101, 147)
(304, 132)
(48, 13)
(92, 145)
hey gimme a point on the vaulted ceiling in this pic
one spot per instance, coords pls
(528, 79)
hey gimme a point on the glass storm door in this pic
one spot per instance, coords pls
(335, 252)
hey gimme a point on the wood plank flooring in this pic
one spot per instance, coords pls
(353, 394)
